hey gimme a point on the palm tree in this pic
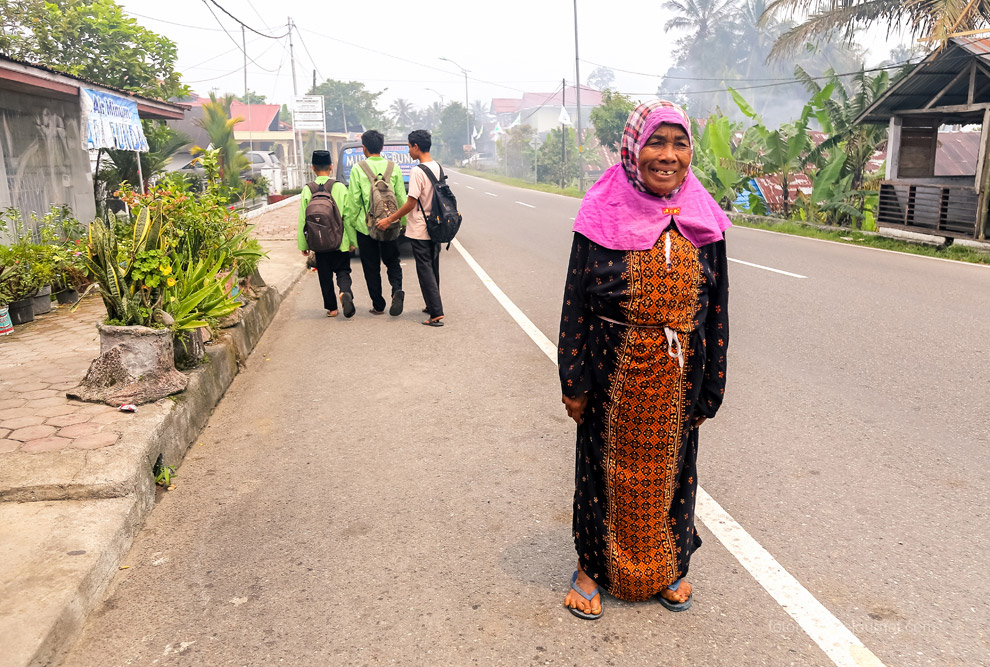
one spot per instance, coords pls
(837, 20)
(219, 127)
(701, 17)
(479, 111)
(402, 112)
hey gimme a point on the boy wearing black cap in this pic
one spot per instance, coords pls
(334, 262)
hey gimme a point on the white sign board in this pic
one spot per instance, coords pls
(307, 113)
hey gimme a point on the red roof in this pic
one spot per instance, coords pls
(589, 96)
(505, 105)
(257, 117)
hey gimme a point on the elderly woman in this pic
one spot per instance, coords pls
(643, 337)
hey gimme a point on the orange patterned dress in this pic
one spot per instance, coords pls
(644, 334)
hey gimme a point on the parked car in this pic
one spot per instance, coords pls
(262, 163)
(481, 161)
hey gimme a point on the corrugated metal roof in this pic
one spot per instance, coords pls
(930, 76)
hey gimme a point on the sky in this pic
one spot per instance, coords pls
(396, 47)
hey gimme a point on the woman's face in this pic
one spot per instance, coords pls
(665, 159)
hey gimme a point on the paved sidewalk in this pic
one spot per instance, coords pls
(75, 481)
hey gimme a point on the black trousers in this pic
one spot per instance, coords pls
(427, 256)
(330, 264)
(373, 255)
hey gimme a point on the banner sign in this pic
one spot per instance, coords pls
(307, 113)
(112, 122)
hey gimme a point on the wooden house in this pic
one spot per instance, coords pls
(921, 192)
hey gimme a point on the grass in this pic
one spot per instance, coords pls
(842, 235)
(520, 183)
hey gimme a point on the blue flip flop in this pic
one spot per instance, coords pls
(589, 597)
(674, 606)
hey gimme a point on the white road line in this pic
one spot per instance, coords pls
(491, 194)
(525, 204)
(767, 268)
(469, 187)
(864, 247)
(835, 639)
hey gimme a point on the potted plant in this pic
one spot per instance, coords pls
(42, 258)
(6, 326)
(20, 284)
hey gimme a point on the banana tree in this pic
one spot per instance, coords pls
(714, 163)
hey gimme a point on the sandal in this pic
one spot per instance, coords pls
(434, 323)
(331, 313)
(670, 604)
(398, 297)
(587, 596)
(347, 301)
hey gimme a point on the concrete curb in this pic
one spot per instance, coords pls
(250, 215)
(131, 495)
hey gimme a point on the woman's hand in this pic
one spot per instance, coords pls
(575, 407)
(698, 421)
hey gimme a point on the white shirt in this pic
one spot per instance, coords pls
(421, 188)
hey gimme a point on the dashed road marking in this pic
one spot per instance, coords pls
(838, 642)
(522, 203)
(767, 268)
(491, 194)
(469, 187)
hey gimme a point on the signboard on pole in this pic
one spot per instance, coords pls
(112, 122)
(307, 113)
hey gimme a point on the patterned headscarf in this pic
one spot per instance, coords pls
(643, 122)
(620, 213)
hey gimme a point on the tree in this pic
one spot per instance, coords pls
(429, 118)
(601, 78)
(402, 113)
(219, 127)
(449, 137)
(700, 17)
(479, 112)
(516, 152)
(92, 39)
(551, 169)
(609, 119)
(829, 21)
(350, 99)
(251, 97)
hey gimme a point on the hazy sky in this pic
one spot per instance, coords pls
(509, 47)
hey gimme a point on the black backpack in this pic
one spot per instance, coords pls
(443, 221)
(324, 228)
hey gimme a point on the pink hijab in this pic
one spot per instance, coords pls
(619, 213)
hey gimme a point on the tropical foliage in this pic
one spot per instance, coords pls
(219, 127)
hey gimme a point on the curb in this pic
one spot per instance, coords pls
(267, 208)
(133, 497)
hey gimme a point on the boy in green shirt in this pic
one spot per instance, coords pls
(374, 253)
(335, 262)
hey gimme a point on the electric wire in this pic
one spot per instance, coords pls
(239, 47)
(181, 25)
(245, 25)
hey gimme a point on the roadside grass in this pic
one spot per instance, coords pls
(953, 252)
(520, 183)
(839, 235)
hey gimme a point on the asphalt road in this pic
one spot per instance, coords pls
(377, 492)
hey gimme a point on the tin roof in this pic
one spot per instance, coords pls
(939, 78)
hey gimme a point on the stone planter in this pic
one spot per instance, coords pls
(42, 300)
(67, 297)
(22, 312)
(136, 365)
(276, 198)
(6, 326)
(189, 348)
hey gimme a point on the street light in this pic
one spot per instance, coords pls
(467, 106)
(438, 93)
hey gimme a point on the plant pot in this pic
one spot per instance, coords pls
(189, 348)
(276, 198)
(22, 312)
(68, 296)
(42, 300)
(143, 350)
(6, 326)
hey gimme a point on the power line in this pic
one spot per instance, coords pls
(245, 25)
(181, 25)
(542, 104)
(308, 54)
(206, 2)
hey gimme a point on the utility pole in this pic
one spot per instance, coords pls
(247, 100)
(467, 107)
(295, 92)
(563, 143)
(577, 73)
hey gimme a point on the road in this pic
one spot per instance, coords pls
(378, 492)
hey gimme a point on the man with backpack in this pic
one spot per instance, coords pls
(376, 191)
(322, 231)
(427, 189)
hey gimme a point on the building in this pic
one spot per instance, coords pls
(43, 156)
(541, 111)
(922, 193)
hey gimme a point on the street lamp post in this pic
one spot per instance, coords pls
(467, 106)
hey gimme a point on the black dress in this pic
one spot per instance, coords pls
(644, 334)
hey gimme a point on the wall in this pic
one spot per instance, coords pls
(42, 161)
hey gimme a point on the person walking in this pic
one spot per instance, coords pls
(323, 194)
(371, 182)
(644, 330)
(426, 252)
